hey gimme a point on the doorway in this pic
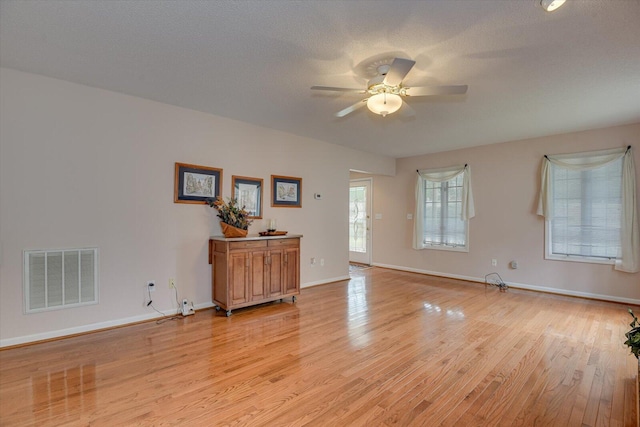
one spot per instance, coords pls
(360, 221)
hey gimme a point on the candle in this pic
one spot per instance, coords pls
(272, 225)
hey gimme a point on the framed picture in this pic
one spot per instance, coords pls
(196, 184)
(286, 191)
(248, 192)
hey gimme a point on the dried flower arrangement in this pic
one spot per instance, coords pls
(230, 213)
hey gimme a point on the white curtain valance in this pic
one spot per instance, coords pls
(629, 259)
(440, 175)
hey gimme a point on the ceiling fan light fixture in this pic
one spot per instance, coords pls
(384, 103)
(551, 5)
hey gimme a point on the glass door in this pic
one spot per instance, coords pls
(360, 221)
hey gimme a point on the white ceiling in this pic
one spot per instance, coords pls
(530, 73)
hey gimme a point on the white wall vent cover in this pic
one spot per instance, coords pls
(60, 278)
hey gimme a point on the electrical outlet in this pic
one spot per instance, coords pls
(172, 283)
(494, 262)
(151, 285)
(322, 262)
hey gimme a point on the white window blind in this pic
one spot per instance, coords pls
(444, 204)
(587, 207)
(60, 278)
(589, 201)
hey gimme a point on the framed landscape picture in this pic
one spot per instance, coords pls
(196, 184)
(286, 191)
(248, 192)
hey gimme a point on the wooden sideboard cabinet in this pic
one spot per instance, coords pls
(253, 270)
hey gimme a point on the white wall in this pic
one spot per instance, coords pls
(505, 180)
(83, 167)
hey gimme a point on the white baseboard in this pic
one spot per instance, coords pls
(92, 327)
(325, 281)
(204, 305)
(517, 285)
(151, 316)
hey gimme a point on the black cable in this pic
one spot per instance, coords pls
(499, 283)
(164, 316)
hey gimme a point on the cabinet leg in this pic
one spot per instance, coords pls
(217, 308)
(293, 298)
(228, 313)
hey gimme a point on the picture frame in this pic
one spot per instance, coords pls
(195, 184)
(248, 192)
(286, 191)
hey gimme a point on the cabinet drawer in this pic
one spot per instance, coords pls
(248, 244)
(284, 242)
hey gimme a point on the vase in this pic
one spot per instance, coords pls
(231, 231)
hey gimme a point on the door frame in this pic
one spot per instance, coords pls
(369, 231)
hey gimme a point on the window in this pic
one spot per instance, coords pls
(587, 207)
(444, 205)
(358, 217)
(589, 203)
(60, 278)
(442, 221)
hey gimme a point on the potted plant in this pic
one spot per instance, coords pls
(633, 341)
(633, 336)
(234, 220)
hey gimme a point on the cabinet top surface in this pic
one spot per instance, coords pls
(254, 237)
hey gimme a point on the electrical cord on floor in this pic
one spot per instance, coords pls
(494, 279)
(164, 316)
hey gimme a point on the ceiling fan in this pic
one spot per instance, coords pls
(386, 89)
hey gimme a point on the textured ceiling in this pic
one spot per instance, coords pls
(530, 73)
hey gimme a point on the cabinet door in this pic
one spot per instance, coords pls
(276, 282)
(291, 270)
(258, 275)
(219, 274)
(238, 275)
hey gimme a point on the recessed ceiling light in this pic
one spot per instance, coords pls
(551, 5)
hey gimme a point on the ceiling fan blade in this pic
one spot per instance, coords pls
(337, 89)
(436, 90)
(351, 108)
(400, 67)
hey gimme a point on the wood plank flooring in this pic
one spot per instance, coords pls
(386, 348)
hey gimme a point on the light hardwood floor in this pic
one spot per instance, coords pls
(386, 348)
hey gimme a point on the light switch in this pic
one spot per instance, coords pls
(378, 216)
(409, 216)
